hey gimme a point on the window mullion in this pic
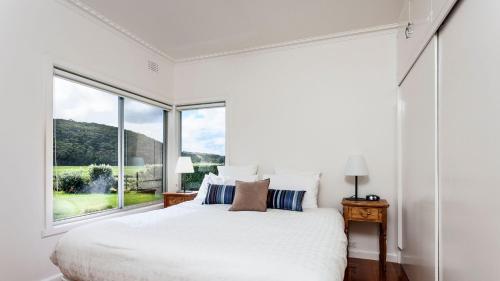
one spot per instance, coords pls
(121, 152)
(165, 151)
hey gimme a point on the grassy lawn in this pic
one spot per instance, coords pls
(67, 205)
(129, 170)
(71, 205)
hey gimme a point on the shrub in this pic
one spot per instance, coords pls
(101, 179)
(100, 171)
(72, 182)
(193, 181)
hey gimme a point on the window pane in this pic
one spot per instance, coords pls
(143, 152)
(204, 140)
(85, 149)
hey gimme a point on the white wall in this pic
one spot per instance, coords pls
(308, 107)
(31, 32)
(469, 142)
(418, 166)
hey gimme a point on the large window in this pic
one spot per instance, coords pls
(108, 148)
(203, 138)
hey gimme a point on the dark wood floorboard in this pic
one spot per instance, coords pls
(368, 270)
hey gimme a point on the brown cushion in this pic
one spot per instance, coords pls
(250, 196)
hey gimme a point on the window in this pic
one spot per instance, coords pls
(108, 148)
(144, 153)
(203, 138)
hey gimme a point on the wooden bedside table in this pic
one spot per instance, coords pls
(368, 211)
(174, 198)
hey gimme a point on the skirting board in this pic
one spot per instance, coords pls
(370, 255)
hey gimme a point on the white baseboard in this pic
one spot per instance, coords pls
(56, 277)
(371, 255)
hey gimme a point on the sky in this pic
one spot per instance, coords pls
(87, 104)
(203, 130)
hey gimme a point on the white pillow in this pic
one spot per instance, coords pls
(214, 179)
(235, 171)
(309, 183)
(208, 179)
(232, 180)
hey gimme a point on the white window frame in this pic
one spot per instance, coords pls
(202, 104)
(63, 70)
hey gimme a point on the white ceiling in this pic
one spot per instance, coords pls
(190, 28)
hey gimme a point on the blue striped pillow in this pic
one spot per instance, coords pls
(285, 199)
(219, 194)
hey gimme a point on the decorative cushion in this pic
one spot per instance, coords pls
(236, 171)
(202, 192)
(220, 180)
(250, 196)
(309, 183)
(219, 194)
(285, 199)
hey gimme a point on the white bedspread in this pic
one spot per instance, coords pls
(192, 242)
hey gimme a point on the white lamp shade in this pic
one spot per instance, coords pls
(356, 166)
(184, 165)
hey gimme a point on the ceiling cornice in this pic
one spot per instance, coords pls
(296, 42)
(90, 11)
(118, 28)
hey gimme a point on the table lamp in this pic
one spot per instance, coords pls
(184, 166)
(356, 166)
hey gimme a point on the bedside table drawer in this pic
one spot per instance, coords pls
(365, 213)
(176, 200)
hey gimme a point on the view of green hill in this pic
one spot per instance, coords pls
(198, 157)
(81, 144)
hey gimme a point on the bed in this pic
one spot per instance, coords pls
(194, 242)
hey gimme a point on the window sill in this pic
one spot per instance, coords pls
(61, 227)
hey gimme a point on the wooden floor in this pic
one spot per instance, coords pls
(368, 270)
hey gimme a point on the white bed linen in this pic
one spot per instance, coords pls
(192, 242)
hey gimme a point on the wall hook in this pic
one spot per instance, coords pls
(409, 30)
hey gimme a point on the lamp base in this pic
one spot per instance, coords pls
(182, 190)
(354, 198)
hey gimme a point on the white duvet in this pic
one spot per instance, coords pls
(192, 242)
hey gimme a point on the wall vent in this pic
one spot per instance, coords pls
(153, 66)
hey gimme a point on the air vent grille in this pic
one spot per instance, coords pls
(153, 66)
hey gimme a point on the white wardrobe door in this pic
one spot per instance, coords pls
(418, 166)
(469, 142)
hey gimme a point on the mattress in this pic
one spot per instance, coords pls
(192, 242)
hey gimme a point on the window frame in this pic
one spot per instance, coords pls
(53, 227)
(216, 103)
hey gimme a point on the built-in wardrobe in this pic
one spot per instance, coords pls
(449, 140)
